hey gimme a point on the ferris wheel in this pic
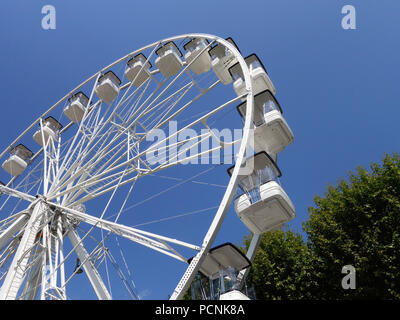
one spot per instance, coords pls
(101, 176)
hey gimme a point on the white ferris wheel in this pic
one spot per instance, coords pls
(105, 175)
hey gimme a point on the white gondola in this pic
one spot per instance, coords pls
(263, 205)
(169, 59)
(233, 295)
(258, 74)
(51, 128)
(221, 60)
(221, 267)
(18, 161)
(76, 107)
(107, 88)
(137, 70)
(195, 52)
(271, 133)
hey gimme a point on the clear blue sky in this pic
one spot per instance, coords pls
(339, 88)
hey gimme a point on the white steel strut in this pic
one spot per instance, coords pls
(91, 272)
(16, 272)
(104, 155)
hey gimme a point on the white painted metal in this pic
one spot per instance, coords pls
(222, 60)
(65, 180)
(13, 228)
(49, 129)
(169, 60)
(221, 65)
(34, 280)
(250, 254)
(17, 193)
(76, 107)
(233, 295)
(195, 264)
(133, 234)
(47, 133)
(259, 77)
(14, 165)
(197, 53)
(223, 257)
(272, 134)
(91, 272)
(138, 70)
(108, 87)
(16, 272)
(271, 212)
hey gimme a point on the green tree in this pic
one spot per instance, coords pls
(358, 223)
(281, 268)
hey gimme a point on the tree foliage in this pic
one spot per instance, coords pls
(280, 269)
(356, 223)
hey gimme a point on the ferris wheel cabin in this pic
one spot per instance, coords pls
(138, 70)
(50, 129)
(169, 59)
(18, 161)
(196, 53)
(217, 279)
(262, 204)
(258, 74)
(271, 133)
(221, 60)
(107, 88)
(76, 107)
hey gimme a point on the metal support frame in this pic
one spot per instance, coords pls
(60, 175)
(91, 272)
(16, 272)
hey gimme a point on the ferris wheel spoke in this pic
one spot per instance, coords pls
(151, 110)
(17, 269)
(9, 250)
(86, 263)
(71, 146)
(126, 231)
(124, 103)
(122, 145)
(125, 281)
(148, 170)
(109, 145)
(34, 278)
(17, 194)
(80, 170)
(84, 171)
(105, 122)
(16, 226)
(157, 117)
(106, 149)
(114, 166)
(175, 135)
(116, 181)
(52, 271)
(183, 71)
(6, 222)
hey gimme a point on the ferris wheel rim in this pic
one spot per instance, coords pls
(229, 192)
